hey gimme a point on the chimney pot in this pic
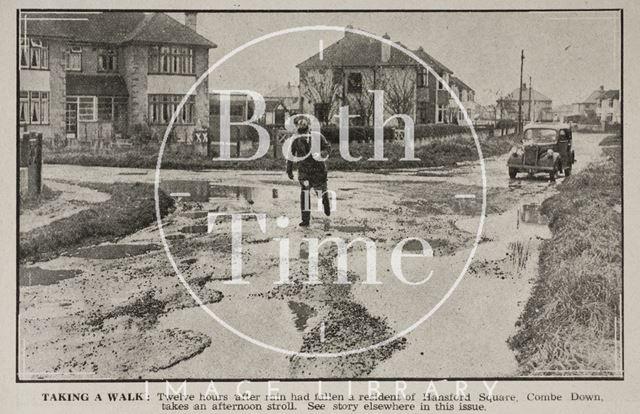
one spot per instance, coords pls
(601, 87)
(385, 49)
(191, 20)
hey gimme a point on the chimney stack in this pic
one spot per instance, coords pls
(385, 52)
(191, 20)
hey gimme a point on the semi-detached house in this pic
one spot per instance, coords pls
(93, 76)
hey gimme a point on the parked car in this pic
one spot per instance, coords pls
(544, 148)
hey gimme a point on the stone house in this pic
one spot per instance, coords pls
(344, 71)
(110, 75)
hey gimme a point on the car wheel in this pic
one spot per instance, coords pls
(567, 172)
(512, 172)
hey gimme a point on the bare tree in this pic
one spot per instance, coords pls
(399, 87)
(319, 87)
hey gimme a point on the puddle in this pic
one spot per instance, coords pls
(195, 229)
(302, 313)
(114, 251)
(203, 191)
(530, 214)
(31, 276)
(362, 228)
(133, 173)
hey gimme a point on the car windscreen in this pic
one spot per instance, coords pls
(540, 135)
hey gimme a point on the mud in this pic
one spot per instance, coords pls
(148, 323)
(114, 251)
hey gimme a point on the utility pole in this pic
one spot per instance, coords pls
(530, 112)
(520, 88)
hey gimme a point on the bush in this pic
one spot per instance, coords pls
(438, 130)
(356, 133)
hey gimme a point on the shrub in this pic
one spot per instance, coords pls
(356, 133)
(438, 130)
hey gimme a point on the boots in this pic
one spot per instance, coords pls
(305, 206)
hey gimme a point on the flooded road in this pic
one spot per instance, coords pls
(146, 302)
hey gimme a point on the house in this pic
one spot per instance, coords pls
(590, 108)
(93, 76)
(344, 72)
(609, 104)
(281, 103)
(540, 110)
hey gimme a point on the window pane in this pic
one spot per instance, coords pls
(44, 111)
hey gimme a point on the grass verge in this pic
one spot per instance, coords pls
(130, 208)
(439, 152)
(33, 201)
(568, 326)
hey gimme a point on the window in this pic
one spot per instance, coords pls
(107, 107)
(162, 108)
(354, 82)
(465, 95)
(445, 78)
(422, 113)
(73, 59)
(441, 114)
(171, 60)
(107, 60)
(34, 107)
(87, 108)
(236, 109)
(423, 78)
(610, 103)
(34, 54)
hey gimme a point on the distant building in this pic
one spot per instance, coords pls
(355, 64)
(540, 110)
(281, 103)
(609, 104)
(590, 107)
(110, 74)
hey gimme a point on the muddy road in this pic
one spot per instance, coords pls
(119, 310)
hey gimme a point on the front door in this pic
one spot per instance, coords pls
(71, 119)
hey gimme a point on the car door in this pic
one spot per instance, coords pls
(564, 146)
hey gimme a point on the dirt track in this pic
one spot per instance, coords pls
(125, 313)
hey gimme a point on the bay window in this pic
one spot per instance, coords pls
(34, 54)
(162, 107)
(34, 108)
(171, 60)
(423, 78)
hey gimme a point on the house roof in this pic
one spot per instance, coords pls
(611, 94)
(535, 95)
(359, 50)
(594, 96)
(115, 28)
(95, 85)
(460, 83)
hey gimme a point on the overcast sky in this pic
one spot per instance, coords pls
(568, 54)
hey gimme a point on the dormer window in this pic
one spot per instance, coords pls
(34, 54)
